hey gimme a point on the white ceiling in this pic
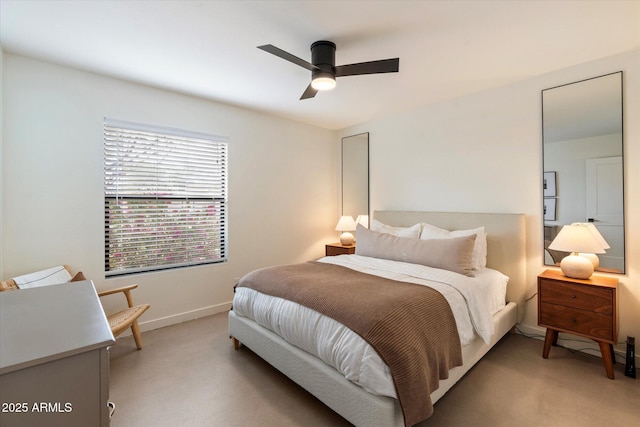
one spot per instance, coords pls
(208, 48)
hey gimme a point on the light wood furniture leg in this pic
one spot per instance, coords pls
(613, 354)
(607, 358)
(135, 329)
(236, 343)
(550, 338)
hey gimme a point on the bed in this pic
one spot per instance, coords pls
(359, 404)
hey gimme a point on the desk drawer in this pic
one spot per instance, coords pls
(588, 323)
(591, 298)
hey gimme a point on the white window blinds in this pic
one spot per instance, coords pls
(165, 198)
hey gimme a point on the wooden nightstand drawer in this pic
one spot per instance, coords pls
(588, 323)
(339, 249)
(590, 298)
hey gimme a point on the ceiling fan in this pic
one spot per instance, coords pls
(323, 68)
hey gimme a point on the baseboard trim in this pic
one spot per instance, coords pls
(181, 317)
(574, 342)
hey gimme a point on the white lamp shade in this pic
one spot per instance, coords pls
(593, 257)
(577, 237)
(591, 226)
(346, 223)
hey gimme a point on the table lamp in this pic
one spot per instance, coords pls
(345, 225)
(593, 257)
(575, 238)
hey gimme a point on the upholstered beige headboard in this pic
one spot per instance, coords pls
(506, 240)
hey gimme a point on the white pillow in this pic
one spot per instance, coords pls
(452, 254)
(479, 256)
(413, 231)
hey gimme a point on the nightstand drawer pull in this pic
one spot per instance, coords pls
(573, 296)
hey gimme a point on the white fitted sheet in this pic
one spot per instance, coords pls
(473, 301)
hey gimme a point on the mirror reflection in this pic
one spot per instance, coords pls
(355, 175)
(583, 164)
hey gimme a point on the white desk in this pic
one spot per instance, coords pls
(54, 358)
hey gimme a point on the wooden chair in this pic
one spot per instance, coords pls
(127, 318)
(119, 321)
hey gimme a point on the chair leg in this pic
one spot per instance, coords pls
(136, 334)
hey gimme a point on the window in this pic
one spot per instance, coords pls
(165, 198)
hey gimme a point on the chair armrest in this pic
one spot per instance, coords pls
(8, 285)
(125, 289)
(116, 290)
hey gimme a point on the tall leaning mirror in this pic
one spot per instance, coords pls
(583, 164)
(355, 176)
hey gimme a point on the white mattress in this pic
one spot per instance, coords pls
(473, 301)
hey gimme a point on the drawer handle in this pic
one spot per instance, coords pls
(573, 296)
(574, 320)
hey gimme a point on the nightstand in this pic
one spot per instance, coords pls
(339, 249)
(588, 308)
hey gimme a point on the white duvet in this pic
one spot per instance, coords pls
(473, 301)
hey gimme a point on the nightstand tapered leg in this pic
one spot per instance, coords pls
(550, 338)
(607, 358)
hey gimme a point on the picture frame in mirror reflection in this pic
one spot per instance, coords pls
(549, 185)
(550, 208)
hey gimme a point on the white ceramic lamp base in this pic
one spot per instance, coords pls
(593, 258)
(347, 239)
(576, 266)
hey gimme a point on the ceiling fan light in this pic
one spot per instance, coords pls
(323, 83)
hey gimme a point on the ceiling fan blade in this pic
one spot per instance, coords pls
(309, 92)
(371, 67)
(287, 56)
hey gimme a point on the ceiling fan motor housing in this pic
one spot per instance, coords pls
(323, 56)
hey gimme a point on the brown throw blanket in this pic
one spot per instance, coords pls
(410, 326)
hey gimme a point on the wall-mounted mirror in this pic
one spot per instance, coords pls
(583, 163)
(355, 175)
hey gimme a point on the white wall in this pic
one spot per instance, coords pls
(483, 153)
(282, 183)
